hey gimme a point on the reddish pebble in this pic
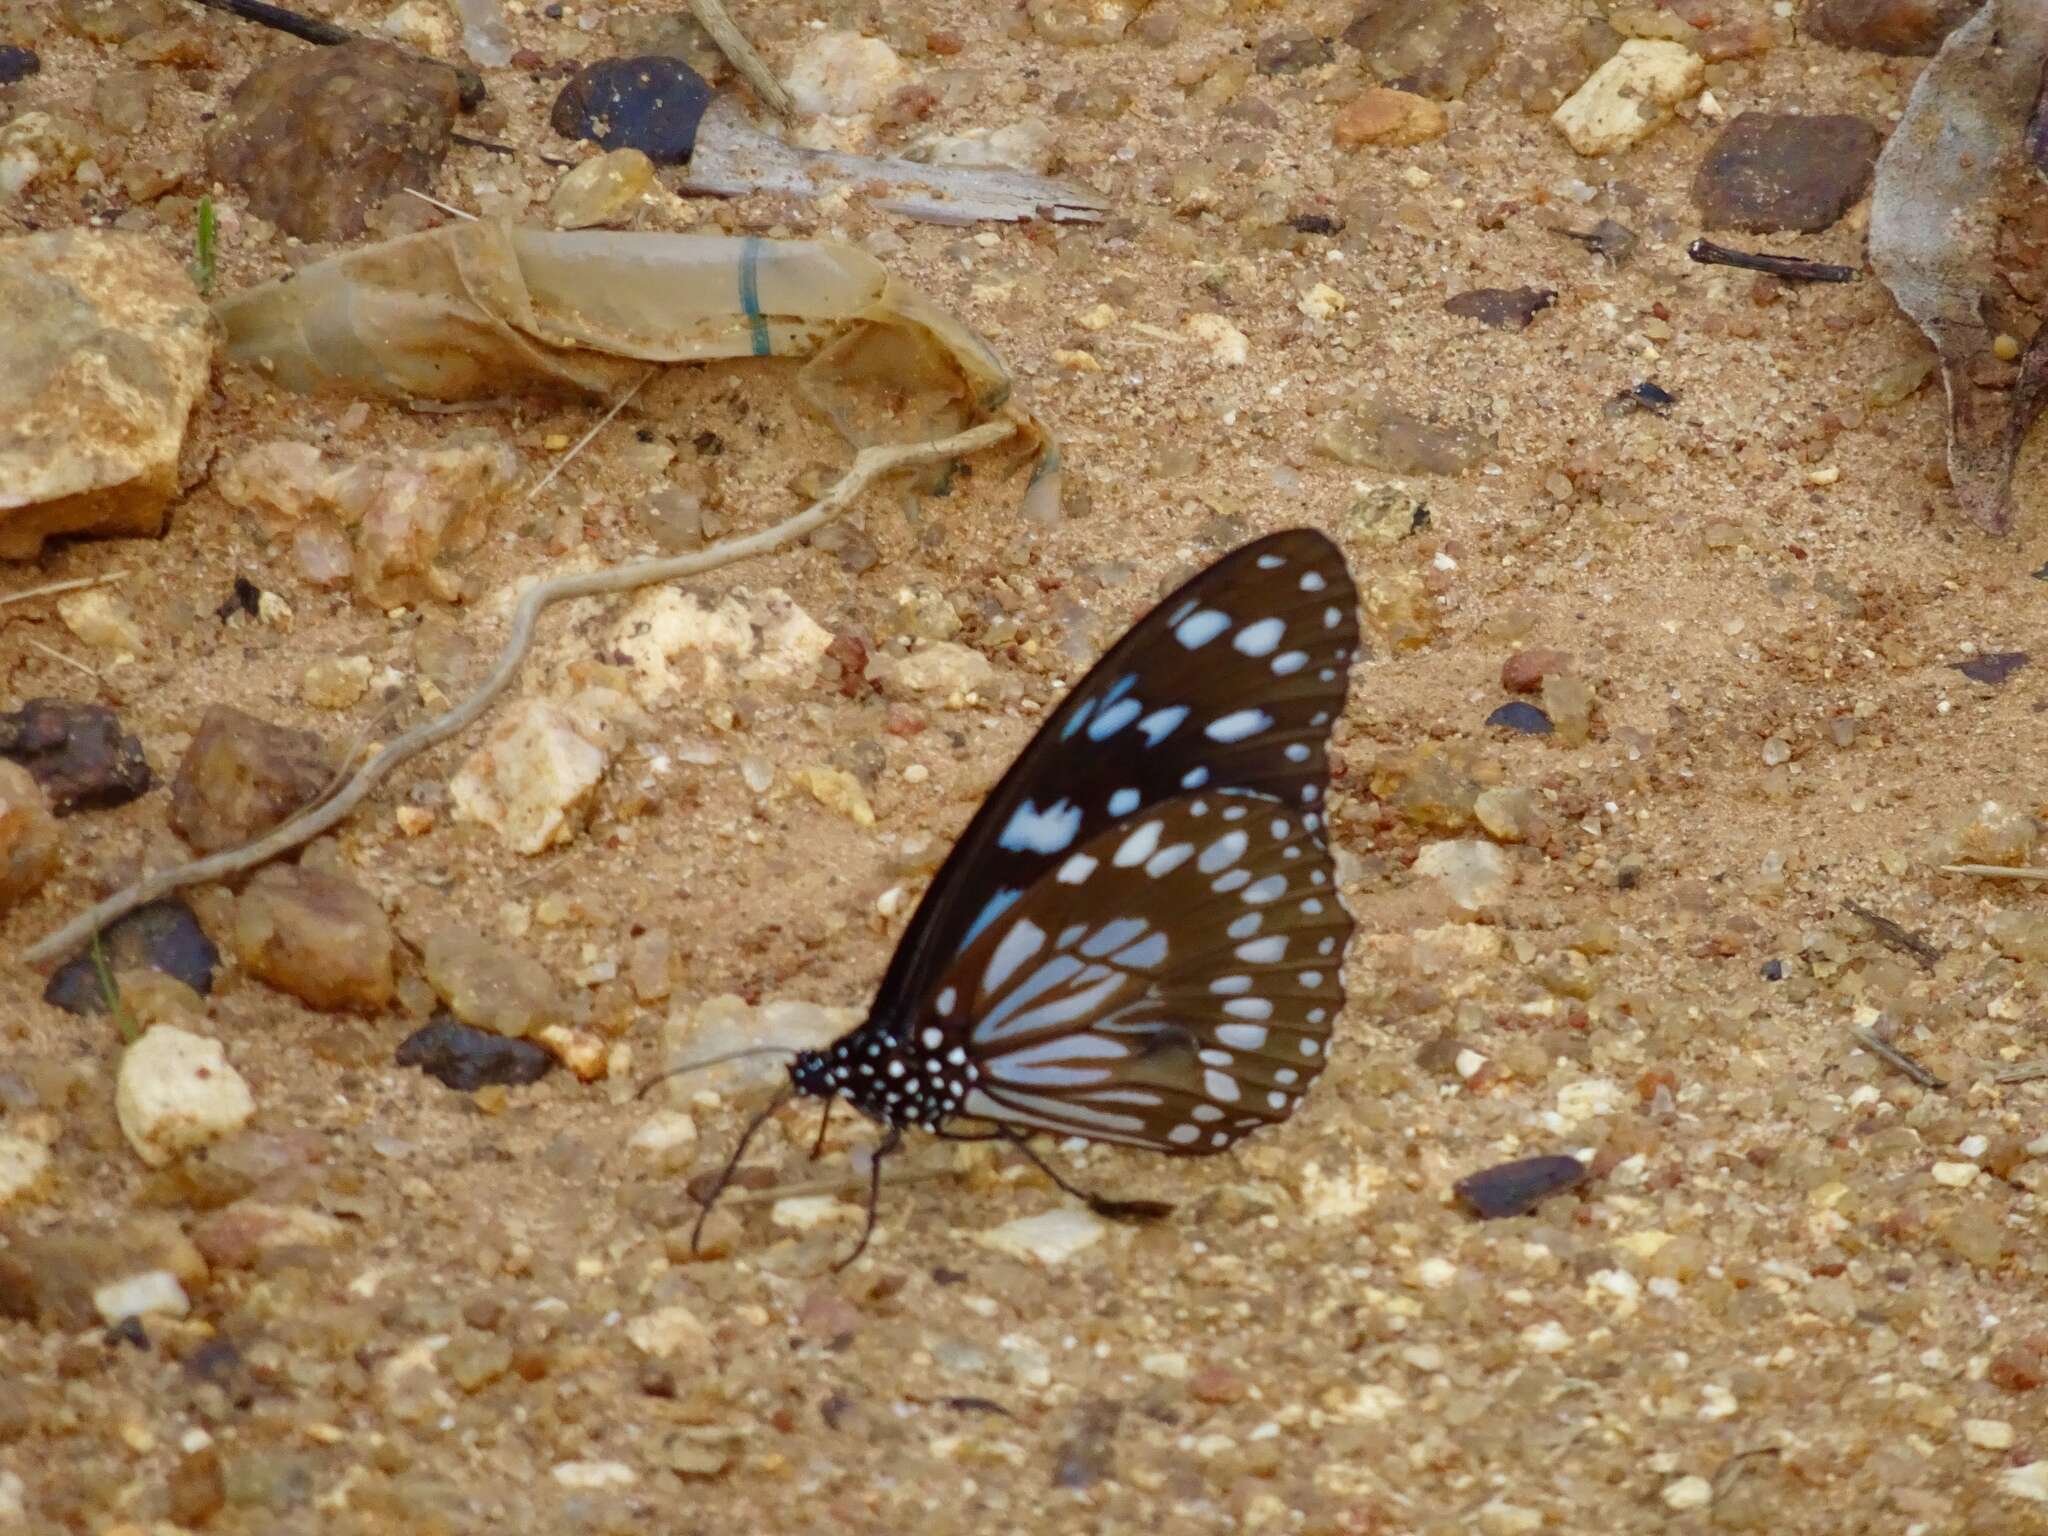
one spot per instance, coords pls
(945, 44)
(529, 60)
(1654, 1078)
(903, 720)
(1524, 671)
(1216, 1384)
(2020, 1368)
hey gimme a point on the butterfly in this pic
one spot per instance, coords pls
(1138, 937)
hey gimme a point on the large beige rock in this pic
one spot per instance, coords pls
(1629, 96)
(176, 1091)
(104, 346)
(317, 936)
(534, 778)
(29, 847)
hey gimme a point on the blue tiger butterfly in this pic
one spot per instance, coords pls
(1138, 938)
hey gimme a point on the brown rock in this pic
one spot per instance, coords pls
(29, 847)
(1433, 47)
(318, 137)
(77, 752)
(1388, 117)
(1524, 671)
(490, 986)
(1886, 26)
(114, 21)
(1502, 309)
(195, 1490)
(1771, 171)
(242, 776)
(104, 347)
(240, 1235)
(1218, 1384)
(317, 936)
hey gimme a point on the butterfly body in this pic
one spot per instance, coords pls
(1137, 939)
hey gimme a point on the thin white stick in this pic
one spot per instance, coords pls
(583, 442)
(1996, 871)
(868, 466)
(60, 586)
(732, 42)
(69, 661)
(436, 202)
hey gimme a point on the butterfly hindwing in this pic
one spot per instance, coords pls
(1171, 984)
(1231, 683)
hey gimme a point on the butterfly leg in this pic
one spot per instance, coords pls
(888, 1144)
(824, 1120)
(1101, 1205)
(732, 1163)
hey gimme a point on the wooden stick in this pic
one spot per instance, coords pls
(52, 588)
(1996, 871)
(732, 42)
(1895, 1058)
(868, 466)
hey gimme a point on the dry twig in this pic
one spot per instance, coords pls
(1895, 1058)
(1997, 871)
(2025, 1072)
(870, 465)
(52, 588)
(69, 661)
(739, 53)
(1896, 935)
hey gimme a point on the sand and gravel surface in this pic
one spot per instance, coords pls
(1799, 1292)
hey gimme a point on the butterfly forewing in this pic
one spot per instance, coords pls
(1231, 683)
(1172, 984)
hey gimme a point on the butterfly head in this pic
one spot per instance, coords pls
(815, 1076)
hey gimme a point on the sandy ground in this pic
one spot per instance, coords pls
(1768, 1312)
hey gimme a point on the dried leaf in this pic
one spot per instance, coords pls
(1958, 158)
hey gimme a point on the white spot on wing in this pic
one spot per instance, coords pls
(1259, 639)
(1182, 1134)
(1162, 723)
(1114, 719)
(1199, 629)
(1139, 846)
(1123, 802)
(1168, 860)
(1220, 1085)
(1222, 853)
(1263, 951)
(1237, 725)
(1035, 831)
(1077, 869)
(1287, 663)
(1243, 1037)
(1272, 888)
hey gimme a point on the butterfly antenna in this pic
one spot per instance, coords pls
(713, 1061)
(732, 1163)
(888, 1144)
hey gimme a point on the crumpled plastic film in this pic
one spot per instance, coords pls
(470, 311)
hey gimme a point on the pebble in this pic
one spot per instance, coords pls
(761, 637)
(670, 1333)
(1886, 26)
(1227, 346)
(242, 776)
(78, 753)
(1375, 434)
(1516, 1188)
(490, 985)
(17, 63)
(22, 1165)
(1291, 51)
(1992, 832)
(242, 1234)
(1522, 717)
(321, 938)
(1955, 1175)
(466, 1059)
(1082, 23)
(939, 667)
(843, 74)
(534, 778)
(107, 349)
(836, 790)
(153, 1293)
(667, 1138)
(717, 1025)
(2029, 1482)
(1688, 1493)
(1568, 700)
(100, 619)
(1524, 671)
(1508, 815)
(41, 145)
(806, 1213)
(1051, 1237)
(1988, 1434)
(592, 1476)
(606, 189)
(335, 682)
(1773, 171)
(176, 1091)
(1435, 48)
(1502, 309)
(1475, 874)
(1629, 96)
(651, 103)
(163, 937)
(317, 137)
(31, 849)
(1389, 118)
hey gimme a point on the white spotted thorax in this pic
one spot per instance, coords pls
(1138, 938)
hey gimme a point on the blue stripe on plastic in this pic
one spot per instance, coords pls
(750, 293)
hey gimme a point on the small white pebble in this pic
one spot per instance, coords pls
(1434, 1274)
(1955, 1175)
(1974, 1147)
(1688, 1493)
(1546, 1338)
(1988, 1434)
